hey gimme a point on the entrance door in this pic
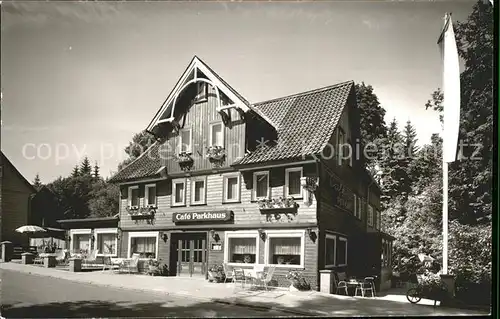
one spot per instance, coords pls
(191, 255)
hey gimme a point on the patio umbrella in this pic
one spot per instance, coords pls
(30, 229)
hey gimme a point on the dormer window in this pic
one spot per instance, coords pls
(201, 92)
(217, 134)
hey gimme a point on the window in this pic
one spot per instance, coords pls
(198, 191)
(330, 246)
(377, 220)
(241, 247)
(284, 248)
(133, 196)
(143, 243)
(106, 241)
(202, 92)
(370, 215)
(150, 195)
(178, 192)
(341, 253)
(231, 188)
(292, 182)
(185, 141)
(341, 142)
(260, 185)
(217, 134)
(80, 240)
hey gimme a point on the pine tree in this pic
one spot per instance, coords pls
(75, 172)
(411, 151)
(85, 167)
(96, 170)
(37, 183)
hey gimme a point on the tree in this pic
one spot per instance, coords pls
(139, 144)
(73, 195)
(427, 164)
(104, 199)
(372, 124)
(85, 167)
(75, 171)
(37, 183)
(410, 151)
(96, 170)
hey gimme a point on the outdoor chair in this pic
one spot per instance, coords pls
(90, 259)
(371, 280)
(228, 273)
(341, 284)
(363, 287)
(38, 259)
(266, 277)
(130, 265)
(239, 277)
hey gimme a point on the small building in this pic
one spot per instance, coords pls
(15, 192)
(229, 181)
(85, 234)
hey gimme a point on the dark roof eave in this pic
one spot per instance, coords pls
(258, 164)
(135, 179)
(95, 219)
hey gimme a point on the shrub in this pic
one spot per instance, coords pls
(298, 281)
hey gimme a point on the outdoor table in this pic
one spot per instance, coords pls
(351, 286)
(252, 274)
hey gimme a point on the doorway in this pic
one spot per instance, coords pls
(188, 254)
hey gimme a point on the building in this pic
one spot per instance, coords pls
(15, 195)
(85, 234)
(233, 182)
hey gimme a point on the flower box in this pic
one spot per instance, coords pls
(216, 273)
(184, 158)
(280, 204)
(216, 153)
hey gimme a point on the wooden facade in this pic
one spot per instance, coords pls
(190, 225)
(15, 197)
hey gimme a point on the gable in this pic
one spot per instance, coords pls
(197, 72)
(12, 179)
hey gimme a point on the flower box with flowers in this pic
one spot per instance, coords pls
(156, 268)
(216, 273)
(297, 281)
(216, 153)
(183, 158)
(281, 204)
(431, 286)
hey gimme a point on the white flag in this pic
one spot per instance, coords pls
(451, 91)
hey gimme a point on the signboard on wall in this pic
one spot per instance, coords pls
(216, 246)
(193, 217)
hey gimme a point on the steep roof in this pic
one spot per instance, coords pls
(148, 164)
(4, 159)
(306, 122)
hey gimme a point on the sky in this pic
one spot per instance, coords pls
(81, 78)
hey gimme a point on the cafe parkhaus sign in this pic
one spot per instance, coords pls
(218, 216)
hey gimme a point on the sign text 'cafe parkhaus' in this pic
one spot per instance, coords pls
(201, 216)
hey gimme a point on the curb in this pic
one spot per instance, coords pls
(206, 299)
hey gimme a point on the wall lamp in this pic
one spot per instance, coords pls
(312, 234)
(214, 235)
(164, 236)
(262, 234)
(92, 238)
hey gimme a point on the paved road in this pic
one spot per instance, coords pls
(31, 296)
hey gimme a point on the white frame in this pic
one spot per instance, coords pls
(142, 234)
(204, 194)
(241, 234)
(129, 201)
(360, 207)
(254, 186)
(211, 125)
(377, 220)
(180, 141)
(80, 231)
(225, 188)
(286, 234)
(334, 237)
(369, 217)
(340, 238)
(107, 231)
(174, 183)
(287, 179)
(146, 195)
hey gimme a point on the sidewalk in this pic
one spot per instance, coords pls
(309, 303)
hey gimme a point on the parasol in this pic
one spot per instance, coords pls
(30, 229)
